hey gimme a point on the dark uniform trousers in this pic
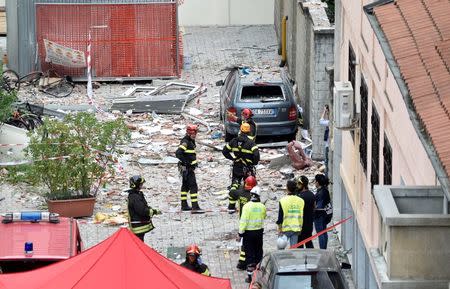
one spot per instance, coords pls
(253, 246)
(189, 185)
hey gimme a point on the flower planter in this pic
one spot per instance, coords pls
(72, 208)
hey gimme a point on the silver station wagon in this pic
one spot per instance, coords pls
(300, 268)
(268, 93)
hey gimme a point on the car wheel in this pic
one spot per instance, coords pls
(229, 136)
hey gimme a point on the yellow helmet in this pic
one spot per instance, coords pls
(245, 128)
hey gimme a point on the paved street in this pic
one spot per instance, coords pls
(211, 49)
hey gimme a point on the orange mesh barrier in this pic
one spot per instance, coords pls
(128, 40)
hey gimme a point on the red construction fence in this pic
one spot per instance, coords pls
(128, 40)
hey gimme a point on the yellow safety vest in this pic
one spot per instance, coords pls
(292, 213)
(252, 217)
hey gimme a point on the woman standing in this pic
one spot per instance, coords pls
(322, 204)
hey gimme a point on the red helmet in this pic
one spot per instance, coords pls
(247, 113)
(250, 182)
(191, 129)
(193, 249)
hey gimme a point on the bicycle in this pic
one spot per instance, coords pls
(62, 87)
(26, 116)
(11, 80)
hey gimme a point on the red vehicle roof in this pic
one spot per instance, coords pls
(50, 241)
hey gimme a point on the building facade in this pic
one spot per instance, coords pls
(390, 170)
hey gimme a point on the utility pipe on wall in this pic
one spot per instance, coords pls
(283, 41)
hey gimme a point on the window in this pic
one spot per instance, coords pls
(375, 175)
(363, 122)
(263, 93)
(387, 157)
(352, 75)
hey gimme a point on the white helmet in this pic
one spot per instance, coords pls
(256, 191)
(282, 242)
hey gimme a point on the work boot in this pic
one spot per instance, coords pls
(195, 206)
(241, 266)
(185, 206)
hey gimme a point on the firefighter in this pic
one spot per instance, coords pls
(194, 262)
(245, 156)
(187, 164)
(242, 196)
(139, 213)
(251, 228)
(246, 117)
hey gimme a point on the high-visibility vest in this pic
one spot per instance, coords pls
(292, 213)
(252, 218)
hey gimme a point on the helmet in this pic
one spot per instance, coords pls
(193, 249)
(191, 129)
(135, 181)
(250, 182)
(247, 113)
(245, 128)
(256, 191)
(282, 242)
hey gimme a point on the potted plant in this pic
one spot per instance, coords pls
(72, 159)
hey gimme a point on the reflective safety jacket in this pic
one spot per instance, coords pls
(241, 195)
(186, 152)
(139, 213)
(244, 151)
(252, 217)
(292, 207)
(196, 267)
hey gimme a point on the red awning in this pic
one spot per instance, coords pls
(120, 262)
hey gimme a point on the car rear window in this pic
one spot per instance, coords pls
(262, 93)
(310, 280)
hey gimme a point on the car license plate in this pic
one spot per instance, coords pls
(264, 111)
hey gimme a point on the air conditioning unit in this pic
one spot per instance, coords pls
(343, 104)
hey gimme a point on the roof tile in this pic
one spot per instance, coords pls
(418, 33)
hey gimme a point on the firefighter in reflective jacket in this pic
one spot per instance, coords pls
(251, 228)
(242, 196)
(245, 156)
(246, 117)
(290, 214)
(194, 262)
(139, 213)
(187, 164)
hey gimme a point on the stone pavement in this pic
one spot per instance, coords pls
(211, 49)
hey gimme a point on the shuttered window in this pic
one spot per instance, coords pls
(352, 76)
(363, 122)
(387, 157)
(375, 121)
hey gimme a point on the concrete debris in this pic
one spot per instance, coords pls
(169, 98)
(165, 160)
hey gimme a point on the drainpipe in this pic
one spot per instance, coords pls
(283, 41)
(445, 211)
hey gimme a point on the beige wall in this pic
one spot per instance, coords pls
(225, 12)
(410, 162)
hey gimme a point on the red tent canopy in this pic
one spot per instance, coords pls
(120, 262)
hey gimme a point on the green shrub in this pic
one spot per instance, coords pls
(83, 147)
